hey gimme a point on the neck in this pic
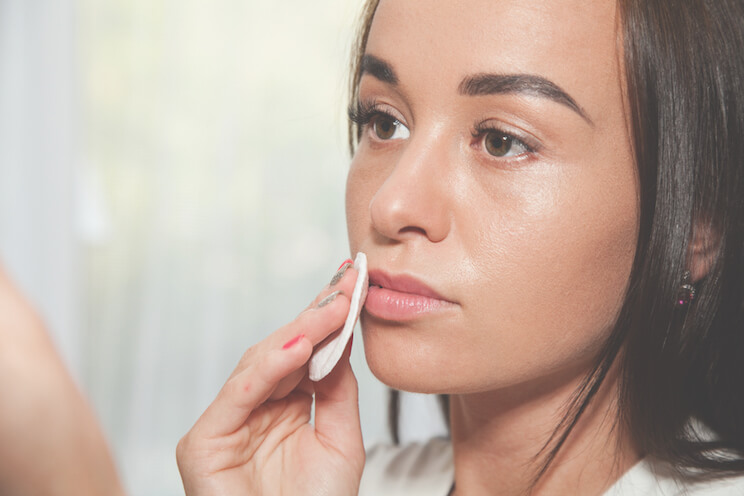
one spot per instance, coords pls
(498, 439)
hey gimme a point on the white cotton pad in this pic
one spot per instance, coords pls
(329, 352)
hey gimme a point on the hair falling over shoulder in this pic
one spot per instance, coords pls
(682, 367)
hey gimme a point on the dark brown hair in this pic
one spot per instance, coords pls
(684, 64)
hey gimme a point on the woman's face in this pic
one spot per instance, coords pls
(493, 191)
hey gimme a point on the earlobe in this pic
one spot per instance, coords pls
(703, 250)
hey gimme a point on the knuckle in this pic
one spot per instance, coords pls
(234, 385)
(247, 356)
(183, 449)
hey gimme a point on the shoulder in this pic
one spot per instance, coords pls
(651, 477)
(411, 469)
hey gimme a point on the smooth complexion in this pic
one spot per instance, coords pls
(495, 194)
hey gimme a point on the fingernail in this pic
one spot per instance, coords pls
(325, 301)
(347, 261)
(341, 271)
(293, 341)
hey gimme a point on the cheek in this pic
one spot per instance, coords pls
(357, 203)
(554, 271)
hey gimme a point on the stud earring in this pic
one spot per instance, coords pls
(686, 292)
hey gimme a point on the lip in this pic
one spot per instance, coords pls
(401, 297)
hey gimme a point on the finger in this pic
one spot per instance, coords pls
(343, 280)
(242, 393)
(281, 367)
(337, 408)
(316, 323)
(336, 315)
(289, 383)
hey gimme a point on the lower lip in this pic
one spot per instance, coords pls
(387, 304)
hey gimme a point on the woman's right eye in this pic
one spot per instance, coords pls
(386, 127)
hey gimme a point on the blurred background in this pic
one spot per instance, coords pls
(171, 191)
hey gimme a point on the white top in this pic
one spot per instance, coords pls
(428, 470)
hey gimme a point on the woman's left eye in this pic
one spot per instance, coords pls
(500, 144)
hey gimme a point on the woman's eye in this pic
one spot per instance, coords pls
(500, 144)
(389, 128)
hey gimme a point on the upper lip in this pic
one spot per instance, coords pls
(402, 283)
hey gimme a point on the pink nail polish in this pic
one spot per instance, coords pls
(293, 341)
(347, 261)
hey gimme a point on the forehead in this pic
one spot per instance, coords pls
(572, 42)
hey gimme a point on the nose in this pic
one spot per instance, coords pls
(415, 199)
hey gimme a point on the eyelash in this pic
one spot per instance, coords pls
(364, 112)
(481, 129)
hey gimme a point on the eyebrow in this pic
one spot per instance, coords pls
(530, 84)
(485, 84)
(379, 69)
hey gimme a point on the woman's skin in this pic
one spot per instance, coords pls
(530, 251)
(495, 195)
(50, 441)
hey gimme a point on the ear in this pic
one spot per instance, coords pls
(703, 250)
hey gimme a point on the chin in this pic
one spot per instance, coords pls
(421, 359)
(406, 378)
(402, 362)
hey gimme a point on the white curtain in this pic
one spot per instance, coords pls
(38, 132)
(172, 185)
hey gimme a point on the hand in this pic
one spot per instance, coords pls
(256, 437)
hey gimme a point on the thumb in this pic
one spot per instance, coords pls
(337, 409)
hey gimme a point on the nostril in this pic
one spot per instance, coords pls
(412, 230)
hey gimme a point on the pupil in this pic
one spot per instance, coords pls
(384, 128)
(498, 144)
